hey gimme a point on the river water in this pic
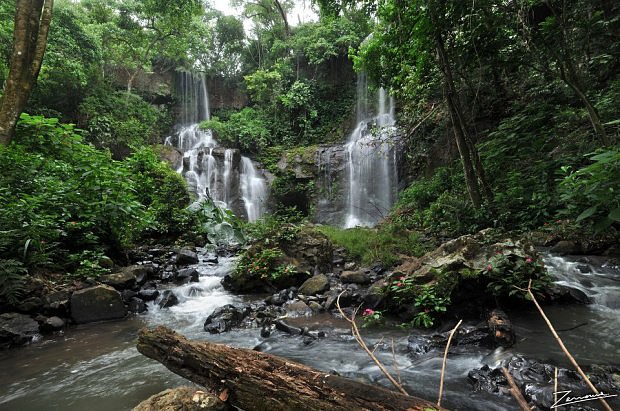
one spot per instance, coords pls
(96, 366)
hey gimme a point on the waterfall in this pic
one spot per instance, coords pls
(211, 171)
(253, 190)
(371, 160)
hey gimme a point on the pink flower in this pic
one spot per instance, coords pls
(489, 267)
(528, 260)
(402, 278)
(367, 311)
(72, 222)
(399, 284)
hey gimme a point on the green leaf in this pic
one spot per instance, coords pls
(615, 214)
(587, 213)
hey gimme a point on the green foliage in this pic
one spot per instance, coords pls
(426, 298)
(263, 264)
(246, 130)
(384, 244)
(86, 264)
(510, 274)
(220, 225)
(64, 202)
(162, 191)
(592, 193)
(12, 280)
(121, 120)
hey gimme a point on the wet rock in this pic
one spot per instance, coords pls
(297, 309)
(30, 305)
(182, 398)
(346, 299)
(562, 293)
(350, 266)
(106, 262)
(315, 285)
(127, 295)
(97, 303)
(338, 260)
(17, 329)
(378, 268)
(185, 256)
(125, 278)
(536, 379)
(279, 298)
(584, 268)
(187, 275)
(224, 319)
(148, 294)
(500, 329)
(418, 345)
(286, 328)
(56, 303)
(168, 299)
(565, 247)
(51, 324)
(212, 259)
(374, 296)
(355, 277)
(315, 306)
(136, 305)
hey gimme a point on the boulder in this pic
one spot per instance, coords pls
(297, 309)
(311, 249)
(182, 398)
(561, 293)
(106, 262)
(565, 247)
(136, 305)
(315, 285)
(224, 318)
(97, 303)
(126, 278)
(355, 277)
(57, 303)
(187, 275)
(52, 324)
(185, 256)
(168, 299)
(500, 329)
(17, 329)
(148, 294)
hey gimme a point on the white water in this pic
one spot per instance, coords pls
(96, 366)
(371, 160)
(210, 171)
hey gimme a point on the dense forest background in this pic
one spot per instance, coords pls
(509, 112)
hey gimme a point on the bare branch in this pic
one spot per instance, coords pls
(445, 357)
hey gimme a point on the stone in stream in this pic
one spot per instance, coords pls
(225, 318)
(168, 299)
(136, 305)
(97, 303)
(17, 329)
(183, 398)
(125, 278)
(187, 275)
(56, 303)
(297, 309)
(148, 294)
(52, 324)
(315, 285)
(185, 256)
(536, 380)
(355, 277)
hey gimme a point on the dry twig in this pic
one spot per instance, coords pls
(563, 347)
(443, 365)
(515, 391)
(360, 341)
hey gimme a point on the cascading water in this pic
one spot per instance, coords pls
(371, 160)
(212, 171)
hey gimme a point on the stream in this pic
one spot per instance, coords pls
(97, 367)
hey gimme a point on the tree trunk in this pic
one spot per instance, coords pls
(570, 78)
(257, 381)
(32, 21)
(283, 15)
(458, 124)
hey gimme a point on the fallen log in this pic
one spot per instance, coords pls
(252, 380)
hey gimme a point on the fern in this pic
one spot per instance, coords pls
(12, 281)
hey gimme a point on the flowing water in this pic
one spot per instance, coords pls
(96, 367)
(370, 165)
(231, 180)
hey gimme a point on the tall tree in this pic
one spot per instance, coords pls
(32, 22)
(411, 50)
